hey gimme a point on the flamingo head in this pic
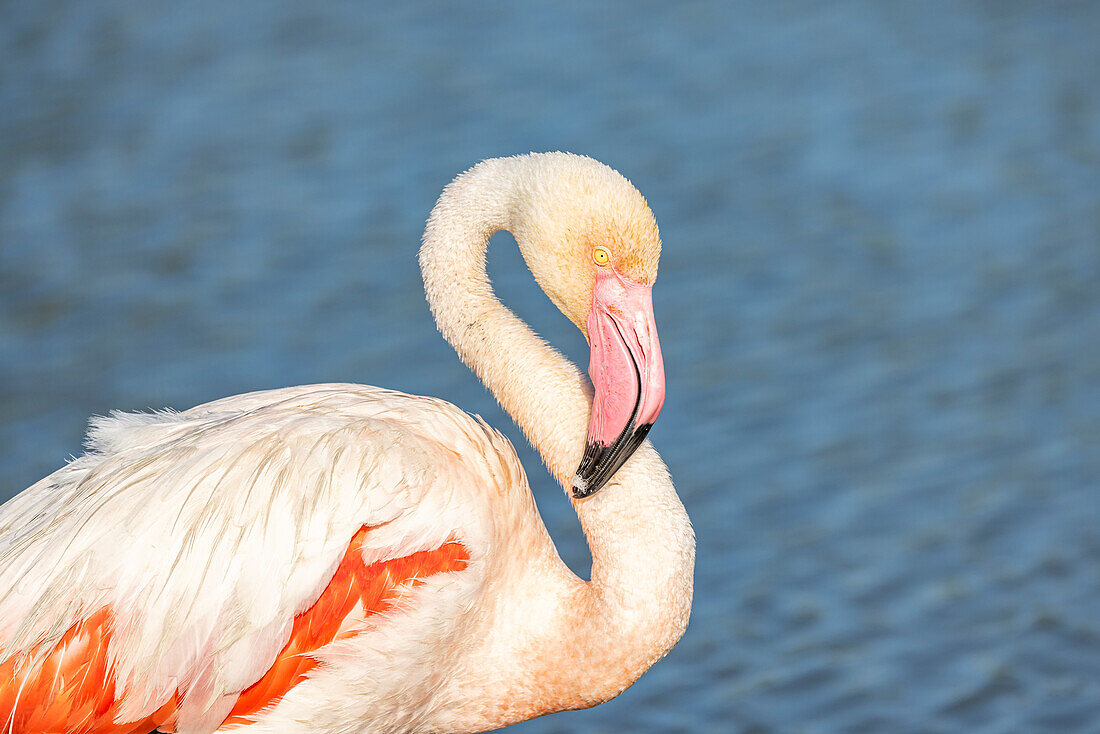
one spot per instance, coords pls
(592, 243)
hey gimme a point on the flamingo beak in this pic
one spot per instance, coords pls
(628, 376)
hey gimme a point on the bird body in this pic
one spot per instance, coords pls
(209, 581)
(343, 558)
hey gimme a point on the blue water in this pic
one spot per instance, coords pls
(879, 297)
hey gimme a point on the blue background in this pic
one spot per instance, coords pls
(879, 298)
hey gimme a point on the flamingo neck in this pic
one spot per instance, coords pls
(636, 605)
(546, 395)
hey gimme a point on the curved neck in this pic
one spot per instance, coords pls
(636, 605)
(543, 392)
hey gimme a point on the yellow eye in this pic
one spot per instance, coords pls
(601, 256)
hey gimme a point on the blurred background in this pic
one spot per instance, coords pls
(879, 296)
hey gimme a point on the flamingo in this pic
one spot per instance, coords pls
(344, 558)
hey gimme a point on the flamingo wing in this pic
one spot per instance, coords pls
(180, 573)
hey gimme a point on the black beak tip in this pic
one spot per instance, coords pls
(589, 478)
(600, 462)
(583, 488)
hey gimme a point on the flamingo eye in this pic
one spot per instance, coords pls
(601, 256)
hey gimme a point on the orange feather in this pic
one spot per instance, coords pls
(376, 586)
(71, 689)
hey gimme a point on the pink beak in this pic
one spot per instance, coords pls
(628, 376)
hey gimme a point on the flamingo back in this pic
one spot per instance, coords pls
(190, 568)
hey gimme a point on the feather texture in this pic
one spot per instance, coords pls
(70, 689)
(169, 516)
